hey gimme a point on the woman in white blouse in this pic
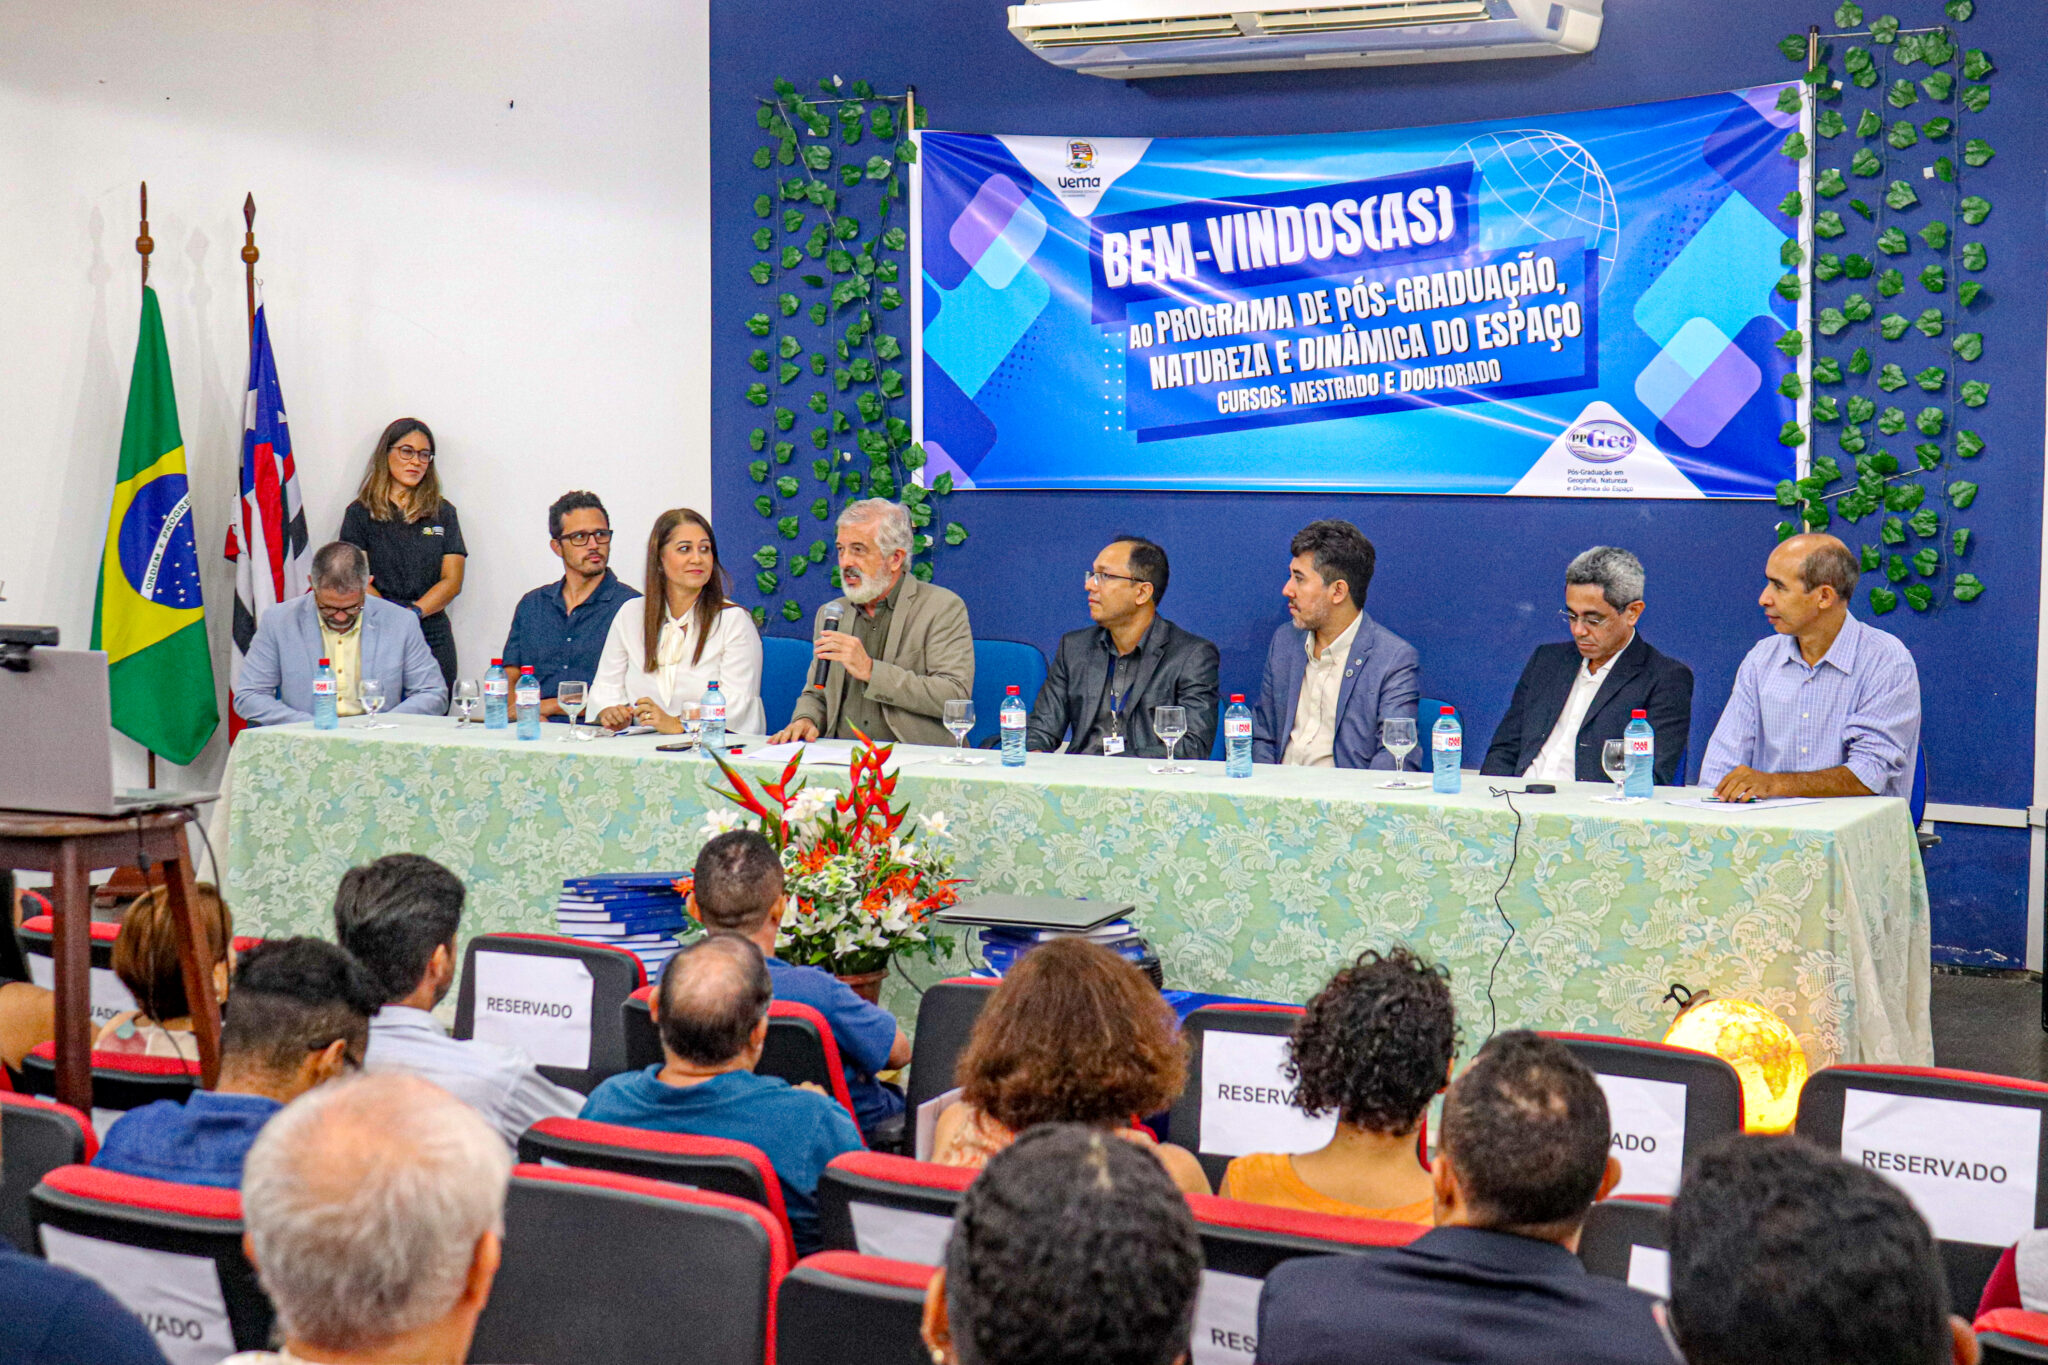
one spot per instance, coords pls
(666, 648)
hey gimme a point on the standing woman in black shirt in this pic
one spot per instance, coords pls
(409, 531)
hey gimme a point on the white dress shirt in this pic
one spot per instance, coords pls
(498, 1082)
(1558, 759)
(1313, 742)
(732, 659)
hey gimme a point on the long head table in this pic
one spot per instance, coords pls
(1256, 886)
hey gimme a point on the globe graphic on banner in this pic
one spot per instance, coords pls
(1543, 187)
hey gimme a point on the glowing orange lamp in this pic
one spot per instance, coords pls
(1761, 1048)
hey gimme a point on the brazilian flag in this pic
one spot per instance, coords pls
(149, 616)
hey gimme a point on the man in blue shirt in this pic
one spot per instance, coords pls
(712, 1011)
(56, 1316)
(739, 890)
(301, 1017)
(560, 629)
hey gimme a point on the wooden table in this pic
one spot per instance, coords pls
(71, 846)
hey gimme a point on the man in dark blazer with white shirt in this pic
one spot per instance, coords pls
(1574, 697)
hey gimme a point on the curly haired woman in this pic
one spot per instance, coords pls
(1375, 1046)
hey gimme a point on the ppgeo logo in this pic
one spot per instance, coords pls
(1600, 442)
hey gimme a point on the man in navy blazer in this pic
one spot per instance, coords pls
(1572, 698)
(1524, 1154)
(366, 637)
(1332, 674)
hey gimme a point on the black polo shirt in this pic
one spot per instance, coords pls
(405, 556)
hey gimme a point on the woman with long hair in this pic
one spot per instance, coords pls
(146, 960)
(666, 648)
(410, 532)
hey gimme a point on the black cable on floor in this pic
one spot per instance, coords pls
(1514, 856)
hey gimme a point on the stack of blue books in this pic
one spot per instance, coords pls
(637, 911)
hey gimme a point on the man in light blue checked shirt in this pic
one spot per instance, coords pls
(1827, 707)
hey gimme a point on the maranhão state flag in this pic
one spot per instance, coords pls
(267, 537)
(149, 615)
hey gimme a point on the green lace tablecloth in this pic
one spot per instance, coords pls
(1258, 886)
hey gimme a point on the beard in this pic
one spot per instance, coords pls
(866, 591)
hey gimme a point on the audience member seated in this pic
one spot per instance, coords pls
(1524, 1155)
(1069, 1248)
(1781, 1252)
(1075, 1034)
(2020, 1279)
(27, 1012)
(374, 1210)
(712, 1013)
(739, 890)
(146, 960)
(1375, 1047)
(399, 916)
(301, 1018)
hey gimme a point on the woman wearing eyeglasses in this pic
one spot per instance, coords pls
(410, 532)
(666, 649)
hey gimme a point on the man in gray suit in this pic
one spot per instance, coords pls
(362, 636)
(905, 648)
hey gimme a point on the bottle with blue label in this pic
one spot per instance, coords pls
(1447, 752)
(1013, 718)
(712, 712)
(1641, 743)
(324, 714)
(527, 697)
(1237, 737)
(495, 692)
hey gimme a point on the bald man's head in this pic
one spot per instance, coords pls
(1807, 580)
(714, 993)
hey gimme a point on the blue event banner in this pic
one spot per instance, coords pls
(1577, 305)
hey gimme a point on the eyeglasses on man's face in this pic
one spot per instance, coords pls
(412, 454)
(1094, 577)
(582, 538)
(1591, 620)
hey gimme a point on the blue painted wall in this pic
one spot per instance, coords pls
(1472, 582)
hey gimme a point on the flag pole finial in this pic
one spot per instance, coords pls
(143, 244)
(250, 255)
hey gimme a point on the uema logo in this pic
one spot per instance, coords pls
(1600, 441)
(1080, 156)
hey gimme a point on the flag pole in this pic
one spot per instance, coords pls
(143, 246)
(250, 256)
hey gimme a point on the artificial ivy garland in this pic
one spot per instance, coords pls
(818, 344)
(1914, 156)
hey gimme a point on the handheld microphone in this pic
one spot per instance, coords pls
(827, 620)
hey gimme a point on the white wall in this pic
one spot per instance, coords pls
(492, 216)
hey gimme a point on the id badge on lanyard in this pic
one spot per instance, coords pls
(1113, 738)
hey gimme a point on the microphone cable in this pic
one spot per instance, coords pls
(1514, 856)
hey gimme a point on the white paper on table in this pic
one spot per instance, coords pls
(776, 753)
(1226, 1319)
(928, 1121)
(1768, 803)
(178, 1297)
(1971, 1169)
(541, 1005)
(1646, 1122)
(1649, 1269)
(1247, 1101)
(107, 995)
(900, 1234)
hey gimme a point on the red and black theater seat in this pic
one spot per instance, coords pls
(890, 1206)
(706, 1163)
(1658, 1095)
(120, 1080)
(602, 1267)
(172, 1254)
(109, 997)
(945, 1020)
(800, 1046)
(1949, 1138)
(1241, 1069)
(838, 1298)
(533, 979)
(2009, 1336)
(1628, 1238)
(36, 1137)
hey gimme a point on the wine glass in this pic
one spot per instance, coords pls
(1614, 760)
(371, 693)
(1398, 734)
(1170, 723)
(570, 695)
(467, 695)
(959, 719)
(691, 714)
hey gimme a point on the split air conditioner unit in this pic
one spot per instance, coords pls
(1127, 39)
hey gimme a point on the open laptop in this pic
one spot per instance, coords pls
(57, 740)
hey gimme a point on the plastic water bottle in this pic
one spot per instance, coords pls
(712, 713)
(1237, 737)
(324, 715)
(1447, 751)
(1013, 716)
(528, 699)
(1642, 755)
(494, 696)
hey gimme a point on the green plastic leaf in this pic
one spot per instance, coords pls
(1884, 28)
(1968, 587)
(1935, 234)
(1936, 49)
(786, 486)
(1826, 266)
(1944, 170)
(1791, 344)
(1857, 59)
(1828, 185)
(1815, 515)
(1827, 370)
(1848, 14)
(1856, 308)
(1895, 568)
(1919, 596)
(1852, 440)
(1899, 195)
(1932, 379)
(1902, 134)
(1857, 266)
(1828, 224)
(1938, 87)
(787, 527)
(1967, 292)
(1891, 421)
(1959, 540)
(758, 471)
(1859, 361)
(1866, 163)
(1976, 98)
(1829, 321)
(1974, 393)
(1975, 257)
(1868, 213)
(1977, 151)
(760, 272)
(1974, 209)
(1929, 323)
(1791, 204)
(1904, 497)
(1969, 444)
(1791, 435)
(757, 394)
(765, 505)
(798, 566)
(1787, 529)
(760, 324)
(1929, 421)
(1976, 66)
(784, 419)
(1892, 326)
(1793, 146)
(1892, 532)
(767, 557)
(1883, 462)
(1890, 282)
(1828, 124)
(763, 206)
(1860, 408)
(820, 438)
(788, 371)
(1961, 494)
(1969, 345)
(1901, 94)
(1928, 454)
(1892, 242)
(1925, 522)
(1868, 123)
(817, 403)
(891, 299)
(1890, 378)
(1870, 558)
(1938, 128)
(1908, 50)
(1882, 600)
(1933, 279)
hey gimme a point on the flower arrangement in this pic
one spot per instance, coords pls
(861, 889)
